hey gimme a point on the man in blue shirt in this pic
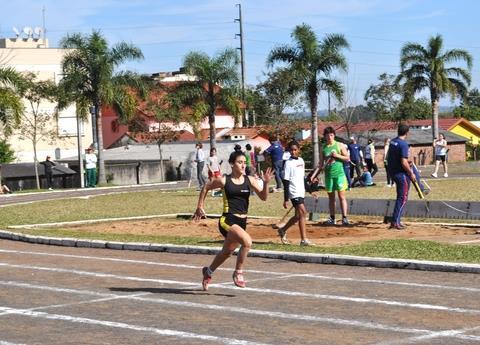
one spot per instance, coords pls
(399, 169)
(356, 157)
(275, 151)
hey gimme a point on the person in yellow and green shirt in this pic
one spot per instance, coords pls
(332, 156)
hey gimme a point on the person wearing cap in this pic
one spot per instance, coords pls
(370, 157)
(356, 157)
(275, 150)
(91, 167)
(48, 165)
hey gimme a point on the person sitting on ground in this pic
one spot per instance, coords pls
(5, 190)
(366, 180)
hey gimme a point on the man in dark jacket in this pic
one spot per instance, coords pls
(48, 164)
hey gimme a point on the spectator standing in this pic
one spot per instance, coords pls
(402, 174)
(200, 160)
(275, 150)
(440, 146)
(332, 156)
(294, 190)
(213, 165)
(251, 161)
(370, 157)
(385, 161)
(91, 168)
(48, 165)
(356, 157)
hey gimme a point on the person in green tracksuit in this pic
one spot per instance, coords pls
(332, 156)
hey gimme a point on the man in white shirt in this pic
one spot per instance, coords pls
(91, 168)
(200, 160)
(294, 190)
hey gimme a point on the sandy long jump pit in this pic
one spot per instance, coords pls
(262, 231)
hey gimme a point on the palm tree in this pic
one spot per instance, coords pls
(426, 67)
(89, 76)
(215, 85)
(313, 62)
(11, 105)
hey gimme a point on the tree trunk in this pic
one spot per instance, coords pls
(101, 161)
(35, 162)
(213, 130)
(435, 105)
(316, 150)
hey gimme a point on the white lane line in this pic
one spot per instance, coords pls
(8, 343)
(471, 241)
(280, 274)
(105, 299)
(452, 333)
(258, 290)
(191, 305)
(112, 324)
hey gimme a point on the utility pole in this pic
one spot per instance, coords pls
(242, 58)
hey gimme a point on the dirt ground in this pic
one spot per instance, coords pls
(262, 231)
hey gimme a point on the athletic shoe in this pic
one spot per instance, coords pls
(329, 221)
(345, 221)
(239, 279)
(445, 175)
(206, 278)
(50, 188)
(306, 243)
(434, 175)
(283, 235)
(397, 227)
(426, 191)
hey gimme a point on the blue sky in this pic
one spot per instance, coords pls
(166, 30)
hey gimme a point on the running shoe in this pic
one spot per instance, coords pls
(434, 175)
(397, 227)
(306, 243)
(329, 221)
(206, 278)
(345, 221)
(283, 236)
(239, 279)
(445, 175)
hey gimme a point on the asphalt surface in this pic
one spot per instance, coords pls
(62, 295)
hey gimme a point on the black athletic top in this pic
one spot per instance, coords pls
(235, 196)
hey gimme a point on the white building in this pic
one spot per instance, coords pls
(29, 52)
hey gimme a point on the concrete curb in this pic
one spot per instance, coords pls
(334, 259)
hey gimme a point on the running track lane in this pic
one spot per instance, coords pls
(58, 295)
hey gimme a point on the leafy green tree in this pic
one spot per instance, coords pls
(383, 99)
(90, 79)
(36, 123)
(426, 68)
(470, 106)
(7, 155)
(280, 90)
(412, 108)
(313, 63)
(214, 84)
(11, 105)
(258, 106)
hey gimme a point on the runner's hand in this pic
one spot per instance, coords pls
(199, 214)
(267, 175)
